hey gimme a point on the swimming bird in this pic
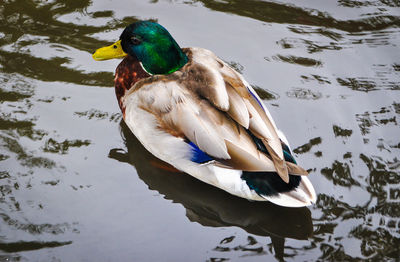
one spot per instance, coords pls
(192, 110)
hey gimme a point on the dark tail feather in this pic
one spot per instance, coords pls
(270, 183)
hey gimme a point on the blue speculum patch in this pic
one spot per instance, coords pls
(199, 156)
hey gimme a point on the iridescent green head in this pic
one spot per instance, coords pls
(151, 44)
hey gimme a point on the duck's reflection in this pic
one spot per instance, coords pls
(213, 207)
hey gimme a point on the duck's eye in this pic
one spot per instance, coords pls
(135, 40)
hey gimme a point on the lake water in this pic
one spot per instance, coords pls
(75, 184)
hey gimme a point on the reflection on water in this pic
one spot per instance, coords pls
(210, 206)
(287, 13)
(20, 26)
(329, 72)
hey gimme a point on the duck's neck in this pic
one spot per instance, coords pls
(128, 72)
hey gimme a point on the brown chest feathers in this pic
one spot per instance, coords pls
(128, 72)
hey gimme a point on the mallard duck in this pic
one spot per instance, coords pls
(192, 110)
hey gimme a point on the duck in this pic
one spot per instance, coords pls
(193, 111)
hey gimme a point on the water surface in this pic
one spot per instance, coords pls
(76, 185)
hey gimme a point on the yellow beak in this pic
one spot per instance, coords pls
(109, 52)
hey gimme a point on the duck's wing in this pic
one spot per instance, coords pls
(210, 106)
(227, 90)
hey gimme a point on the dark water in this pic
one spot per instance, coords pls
(75, 185)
